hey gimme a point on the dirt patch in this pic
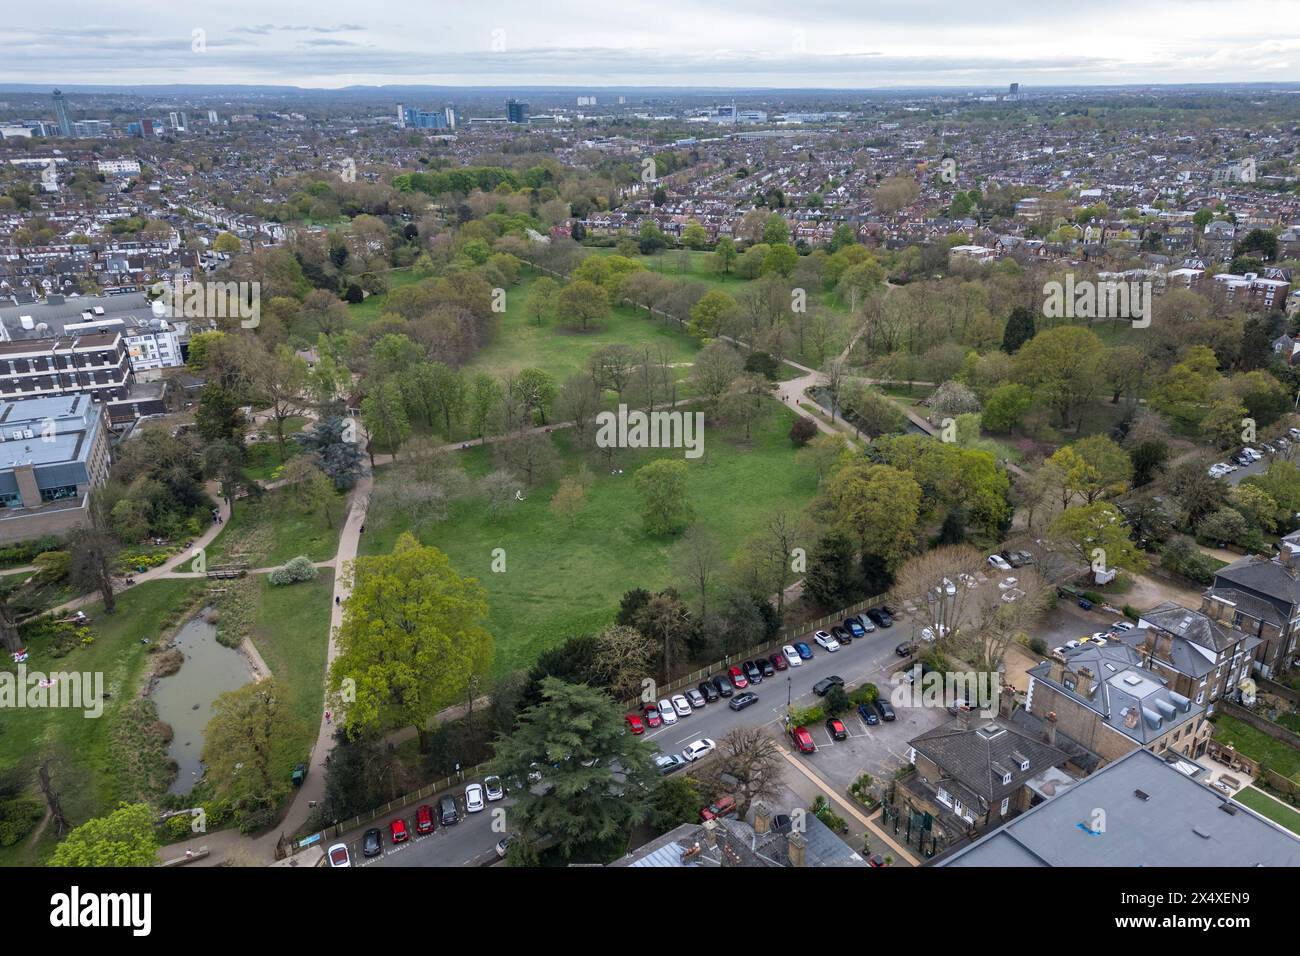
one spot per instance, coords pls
(167, 662)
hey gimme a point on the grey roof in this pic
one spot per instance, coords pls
(1260, 608)
(63, 428)
(56, 315)
(1179, 823)
(742, 847)
(1079, 755)
(1191, 626)
(977, 755)
(1266, 577)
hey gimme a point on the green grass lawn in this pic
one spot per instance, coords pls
(365, 312)
(563, 580)
(274, 529)
(1266, 806)
(1274, 754)
(291, 632)
(88, 778)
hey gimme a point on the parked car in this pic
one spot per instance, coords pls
(968, 580)
(868, 714)
(753, 672)
(1007, 583)
(779, 662)
(867, 623)
(722, 807)
(927, 633)
(1122, 626)
(666, 712)
(681, 705)
(670, 763)
(803, 650)
(738, 678)
(372, 842)
(841, 635)
(854, 627)
(424, 819)
(835, 727)
(792, 656)
(635, 724)
(698, 749)
(493, 788)
(906, 649)
(823, 686)
(473, 798)
(826, 641)
(766, 666)
(741, 701)
(722, 684)
(696, 698)
(949, 588)
(999, 562)
(709, 691)
(503, 845)
(886, 709)
(397, 831)
(881, 616)
(652, 717)
(339, 856)
(802, 740)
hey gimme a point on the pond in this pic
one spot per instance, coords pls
(184, 699)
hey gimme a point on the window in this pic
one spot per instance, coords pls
(1006, 804)
(61, 493)
(14, 500)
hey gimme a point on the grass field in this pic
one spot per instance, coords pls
(262, 458)
(1274, 754)
(563, 580)
(365, 312)
(1266, 806)
(274, 529)
(87, 777)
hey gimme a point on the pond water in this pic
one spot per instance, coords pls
(185, 698)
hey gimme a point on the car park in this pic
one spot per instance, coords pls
(802, 740)
(635, 724)
(779, 661)
(999, 562)
(826, 641)
(666, 712)
(841, 636)
(473, 798)
(804, 651)
(886, 710)
(670, 763)
(868, 714)
(854, 627)
(696, 698)
(738, 678)
(823, 686)
(753, 672)
(835, 727)
(881, 616)
(722, 684)
(741, 701)
(867, 623)
(397, 831)
(681, 705)
(424, 819)
(699, 749)
(372, 842)
(652, 717)
(339, 856)
(493, 788)
(792, 656)
(709, 691)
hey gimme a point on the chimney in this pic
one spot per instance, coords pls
(1286, 556)
(762, 818)
(796, 843)
(711, 834)
(1049, 729)
(963, 714)
(1007, 702)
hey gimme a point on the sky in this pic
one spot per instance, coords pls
(601, 43)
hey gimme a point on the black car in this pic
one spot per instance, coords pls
(841, 635)
(765, 666)
(886, 711)
(753, 672)
(868, 714)
(372, 843)
(881, 616)
(722, 684)
(709, 691)
(447, 812)
(835, 727)
(741, 701)
(823, 686)
(905, 649)
(781, 823)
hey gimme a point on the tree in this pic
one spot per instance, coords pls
(714, 314)
(802, 431)
(218, 416)
(701, 562)
(694, 236)
(751, 758)
(952, 399)
(1018, 331)
(597, 780)
(246, 747)
(91, 564)
(280, 378)
(1006, 407)
(542, 298)
(724, 255)
(661, 485)
(623, 658)
(412, 635)
(716, 366)
(126, 837)
(582, 303)
(333, 451)
(484, 397)
(578, 402)
(534, 389)
(1064, 368)
(831, 581)
(878, 505)
(1097, 532)
(1093, 467)
(384, 414)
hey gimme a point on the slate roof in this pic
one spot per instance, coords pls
(742, 847)
(1267, 577)
(977, 756)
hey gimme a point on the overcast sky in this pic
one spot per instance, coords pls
(747, 43)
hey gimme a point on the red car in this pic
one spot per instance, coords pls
(635, 725)
(836, 729)
(803, 740)
(652, 717)
(424, 818)
(778, 661)
(738, 679)
(723, 807)
(397, 831)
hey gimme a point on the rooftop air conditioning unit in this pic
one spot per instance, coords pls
(27, 433)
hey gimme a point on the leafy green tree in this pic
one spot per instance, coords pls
(384, 414)
(1006, 407)
(126, 837)
(246, 749)
(542, 297)
(662, 487)
(582, 303)
(1064, 368)
(1094, 528)
(775, 230)
(831, 580)
(715, 314)
(724, 254)
(879, 505)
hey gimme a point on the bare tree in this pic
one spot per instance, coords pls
(936, 582)
(624, 657)
(753, 759)
(703, 559)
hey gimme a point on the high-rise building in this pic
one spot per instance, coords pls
(1015, 91)
(401, 116)
(212, 117)
(517, 112)
(61, 114)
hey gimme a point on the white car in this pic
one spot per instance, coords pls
(949, 588)
(1007, 583)
(495, 791)
(927, 633)
(473, 798)
(1122, 626)
(826, 641)
(338, 855)
(792, 656)
(1217, 471)
(968, 580)
(667, 711)
(681, 705)
(1011, 594)
(1253, 453)
(700, 748)
(999, 562)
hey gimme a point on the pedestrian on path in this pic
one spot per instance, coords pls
(328, 715)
